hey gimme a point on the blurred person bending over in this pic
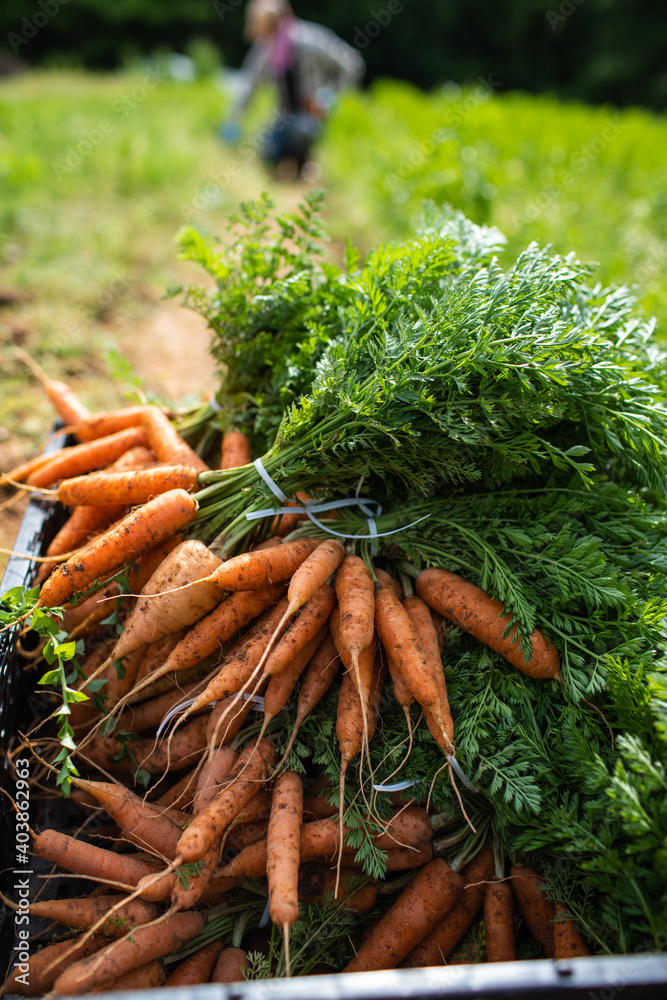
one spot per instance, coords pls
(309, 65)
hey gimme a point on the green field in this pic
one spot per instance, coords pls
(98, 172)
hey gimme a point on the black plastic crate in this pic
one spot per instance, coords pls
(620, 977)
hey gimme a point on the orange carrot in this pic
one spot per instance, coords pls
(315, 883)
(568, 942)
(238, 667)
(499, 922)
(138, 822)
(435, 948)
(485, 618)
(263, 567)
(147, 715)
(231, 724)
(432, 893)
(319, 677)
(420, 616)
(538, 911)
(84, 523)
(281, 685)
(99, 425)
(213, 775)
(111, 754)
(354, 590)
(145, 944)
(166, 442)
(230, 966)
(102, 488)
(147, 977)
(211, 631)
(82, 618)
(306, 580)
(389, 582)
(75, 855)
(198, 968)
(236, 450)
(142, 529)
(283, 841)
(243, 834)
(181, 794)
(86, 457)
(251, 861)
(401, 642)
(254, 766)
(83, 913)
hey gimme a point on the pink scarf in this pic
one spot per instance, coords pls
(281, 53)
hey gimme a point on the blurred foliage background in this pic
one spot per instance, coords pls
(594, 50)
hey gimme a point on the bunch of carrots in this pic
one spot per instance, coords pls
(203, 641)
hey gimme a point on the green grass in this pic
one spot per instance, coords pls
(98, 172)
(583, 179)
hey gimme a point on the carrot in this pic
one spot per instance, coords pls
(432, 893)
(420, 616)
(138, 822)
(258, 808)
(101, 488)
(213, 775)
(83, 913)
(198, 968)
(389, 582)
(316, 802)
(354, 590)
(83, 617)
(238, 667)
(283, 841)
(142, 529)
(236, 450)
(253, 767)
(263, 567)
(538, 911)
(440, 942)
(306, 581)
(319, 677)
(251, 861)
(158, 612)
(99, 425)
(148, 977)
(231, 724)
(89, 861)
(66, 403)
(86, 457)
(230, 966)
(166, 442)
(568, 942)
(401, 642)
(181, 793)
(43, 967)
(486, 619)
(211, 631)
(499, 922)
(147, 715)
(315, 883)
(281, 686)
(111, 754)
(84, 523)
(145, 944)
(320, 840)
(244, 834)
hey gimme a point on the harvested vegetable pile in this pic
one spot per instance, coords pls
(402, 671)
